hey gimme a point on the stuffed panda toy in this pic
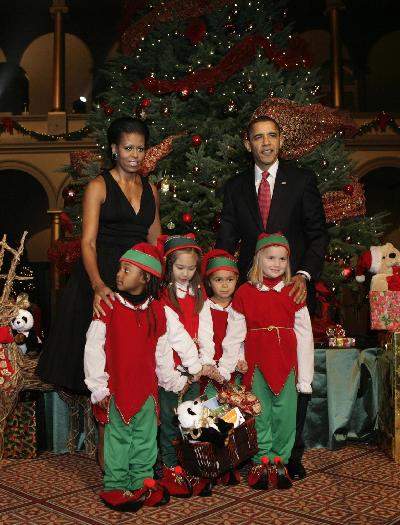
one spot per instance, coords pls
(197, 425)
(23, 334)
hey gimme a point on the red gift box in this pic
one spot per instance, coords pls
(385, 310)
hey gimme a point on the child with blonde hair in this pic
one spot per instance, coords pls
(279, 352)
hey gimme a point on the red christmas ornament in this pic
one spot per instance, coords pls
(69, 194)
(196, 31)
(211, 90)
(66, 223)
(348, 189)
(108, 110)
(383, 120)
(185, 92)
(187, 218)
(145, 102)
(197, 140)
(347, 272)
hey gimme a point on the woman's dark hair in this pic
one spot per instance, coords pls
(126, 125)
(195, 282)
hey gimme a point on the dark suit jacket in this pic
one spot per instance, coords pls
(296, 211)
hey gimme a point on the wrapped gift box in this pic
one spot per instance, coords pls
(20, 432)
(388, 368)
(385, 310)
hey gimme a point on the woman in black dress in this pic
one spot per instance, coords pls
(120, 209)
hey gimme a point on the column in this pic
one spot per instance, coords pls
(332, 8)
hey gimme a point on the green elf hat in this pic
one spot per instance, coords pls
(146, 257)
(272, 239)
(168, 244)
(217, 259)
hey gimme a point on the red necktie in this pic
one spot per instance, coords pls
(264, 197)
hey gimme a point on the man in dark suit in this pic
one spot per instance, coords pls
(295, 209)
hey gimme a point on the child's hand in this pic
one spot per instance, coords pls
(212, 372)
(242, 366)
(194, 378)
(104, 403)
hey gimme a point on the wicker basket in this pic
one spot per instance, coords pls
(208, 461)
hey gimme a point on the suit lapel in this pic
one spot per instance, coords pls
(250, 198)
(279, 196)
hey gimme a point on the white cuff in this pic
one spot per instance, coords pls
(304, 388)
(99, 394)
(195, 369)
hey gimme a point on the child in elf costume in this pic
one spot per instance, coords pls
(220, 275)
(119, 365)
(178, 364)
(279, 352)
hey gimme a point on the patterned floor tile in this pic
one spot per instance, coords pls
(351, 486)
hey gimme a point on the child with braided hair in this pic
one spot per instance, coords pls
(120, 372)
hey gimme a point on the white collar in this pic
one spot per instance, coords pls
(183, 289)
(272, 170)
(264, 288)
(215, 306)
(126, 303)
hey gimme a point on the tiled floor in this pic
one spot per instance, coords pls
(352, 486)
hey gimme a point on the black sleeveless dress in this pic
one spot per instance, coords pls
(61, 360)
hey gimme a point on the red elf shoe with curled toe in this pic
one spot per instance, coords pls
(124, 500)
(157, 494)
(258, 475)
(283, 480)
(201, 486)
(232, 477)
(176, 482)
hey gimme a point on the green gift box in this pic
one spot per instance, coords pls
(388, 367)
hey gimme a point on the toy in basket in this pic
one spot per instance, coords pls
(215, 438)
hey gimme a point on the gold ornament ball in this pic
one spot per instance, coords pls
(249, 87)
(164, 186)
(171, 225)
(232, 107)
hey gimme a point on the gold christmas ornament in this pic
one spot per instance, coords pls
(304, 127)
(171, 225)
(164, 186)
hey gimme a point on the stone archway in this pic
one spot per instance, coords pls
(24, 203)
(381, 179)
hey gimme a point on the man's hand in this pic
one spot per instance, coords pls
(299, 290)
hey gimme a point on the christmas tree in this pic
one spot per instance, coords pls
(197, 71)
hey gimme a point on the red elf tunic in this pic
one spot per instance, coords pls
(270, 343)
(130, 344)
(187, 316)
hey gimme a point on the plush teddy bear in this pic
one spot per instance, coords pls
(23, 334)
(381, 261)
(388, 269)
(197, 423)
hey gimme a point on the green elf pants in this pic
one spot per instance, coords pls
(130, 450)
(169, 429)
(276, 425)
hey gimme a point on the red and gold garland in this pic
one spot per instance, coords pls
(238, 57)
(172, 10)
(339, 205)
(65, 253)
